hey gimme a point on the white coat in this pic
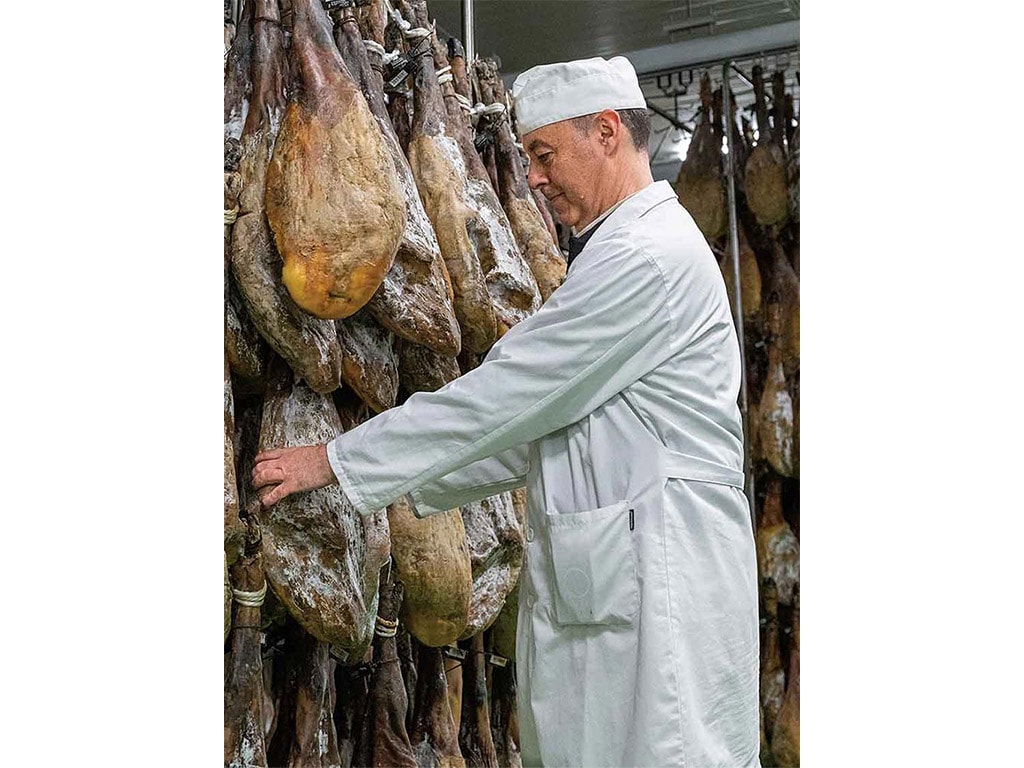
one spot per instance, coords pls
(615, 404)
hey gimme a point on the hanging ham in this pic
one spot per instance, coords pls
(305, 734)
(496, 545)
(765, 173)
(383, 739)
(370, 364)
(334, 202)
(532, 235)
(415, 299)
(322, 557)
(421, 370)
(434, 737)
(440, 173)
(773, 677)
(510, 283)
(504, 717)
(778, 551)
(309, 346)
(432, 560)
(750, 278)
(234, 528)
(699, 184)
(244, 712)
(238, 83)
(776, 407)
(503, 631)
(786, 733)
(475, 740)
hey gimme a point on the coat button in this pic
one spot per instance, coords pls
(529, 533)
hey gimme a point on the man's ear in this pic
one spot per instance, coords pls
(609, 127)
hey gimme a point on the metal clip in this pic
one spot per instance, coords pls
(482, 140)
(453, 652)
(495, 660)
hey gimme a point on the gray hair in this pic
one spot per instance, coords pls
(637, 122)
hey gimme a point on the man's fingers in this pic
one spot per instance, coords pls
(271, 497)
(276, 453)
(267, 475)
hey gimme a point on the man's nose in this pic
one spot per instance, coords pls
(534, 177)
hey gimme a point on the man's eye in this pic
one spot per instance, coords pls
(544, 158)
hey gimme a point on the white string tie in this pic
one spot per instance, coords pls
(250, 599)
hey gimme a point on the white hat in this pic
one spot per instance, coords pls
(550, 93)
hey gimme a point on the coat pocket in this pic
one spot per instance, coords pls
(595, 567)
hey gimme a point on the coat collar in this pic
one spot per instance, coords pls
(633, 208)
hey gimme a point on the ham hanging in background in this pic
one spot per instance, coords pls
(415, 299)
(510, 283)
(475, 740)
(234, 528)
(383, 739)
(370, 365)
(699, 184)
(765, 173)
(534, 239)
(244, 711)
(496, 546)
(434, 737)
(432, 560)
(333, 199)
(309, 346)
(305, 735)
(322, 557)
(440, 173)
(776, 407)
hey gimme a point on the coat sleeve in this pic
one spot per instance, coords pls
(496, 474)
(604, 328)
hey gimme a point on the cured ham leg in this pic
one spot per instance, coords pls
(234, 528)
(433, 735)
(765, 173)
(383, 739)
(534, 240)
(305, 735)
(773, 677)
(786, 733)
(750, 278)
(699, 184)
(496, 545)
(511, 285)
(309, 346)
(440, 173)
(778, 551)
(776, 407)
(420, 370)
(432, 561)
(321, 556)
(370, 365)
(243, 683)
(333, 199)
(504, 718)
(415, 299)
(475, 729)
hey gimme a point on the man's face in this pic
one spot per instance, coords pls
(564, 164)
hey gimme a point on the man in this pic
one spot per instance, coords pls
(616, 405)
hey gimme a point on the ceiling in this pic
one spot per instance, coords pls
(669, 42)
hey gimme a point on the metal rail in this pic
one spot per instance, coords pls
(468, 30)
(737, 304)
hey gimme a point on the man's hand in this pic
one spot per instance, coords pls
(284, 471)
